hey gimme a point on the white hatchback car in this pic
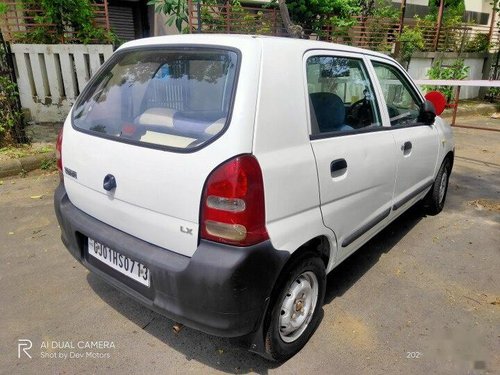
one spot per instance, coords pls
(217, 179)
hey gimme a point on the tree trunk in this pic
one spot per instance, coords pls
(295, 31)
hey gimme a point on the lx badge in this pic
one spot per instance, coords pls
(187, 230)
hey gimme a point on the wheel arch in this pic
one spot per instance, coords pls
(318, 246)
(451, 157)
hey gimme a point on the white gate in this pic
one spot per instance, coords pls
(51, 76)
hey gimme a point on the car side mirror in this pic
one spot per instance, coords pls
(427, 113)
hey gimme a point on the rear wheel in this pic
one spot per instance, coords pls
(296, 312)
(434, 201)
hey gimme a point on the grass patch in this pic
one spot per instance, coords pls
(48, 165)
(16, 152)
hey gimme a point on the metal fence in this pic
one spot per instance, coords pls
(18, 20)
(234, 19)
(369, 32)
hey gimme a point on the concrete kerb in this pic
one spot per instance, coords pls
(13, 167)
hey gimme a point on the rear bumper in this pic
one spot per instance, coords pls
(221, 290)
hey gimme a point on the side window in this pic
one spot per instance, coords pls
(341, 95)
(403, 103)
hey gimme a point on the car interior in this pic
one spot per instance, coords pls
(172, 100)
(340, 96)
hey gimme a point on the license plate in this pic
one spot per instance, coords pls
(123, 264)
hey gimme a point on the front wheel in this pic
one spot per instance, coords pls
(434, 201)
(296, 312)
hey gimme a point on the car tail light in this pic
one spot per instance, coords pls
(232, 207)
(59, 152)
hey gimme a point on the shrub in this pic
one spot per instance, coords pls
(55, 20)
(457, 70)
(11, 117)
(479, 43)
(412, 40)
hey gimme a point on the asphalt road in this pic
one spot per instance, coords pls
(423, 297)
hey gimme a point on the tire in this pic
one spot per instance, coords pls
(301, 289)
(435, 199)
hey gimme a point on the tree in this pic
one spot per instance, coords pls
(295, 31)
(453, 10)
(175, 10)
(312, 15)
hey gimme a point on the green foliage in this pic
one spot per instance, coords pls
(381, 26)
(479, 43)
(493, 96)
(75, 16)
(312, 15)
(386, 11)
(412, 40)
(175, 10)
(457, 70)
(340, 28)
(451, 37)
(249, 23)
(48, 165)
(10, 116)
(241, 20)
(3, 8)
(453, 11)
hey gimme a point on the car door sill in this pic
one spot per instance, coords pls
(412, 195)
(365, 228)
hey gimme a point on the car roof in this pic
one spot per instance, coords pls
(233, 40)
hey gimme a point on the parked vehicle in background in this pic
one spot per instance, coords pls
(217, 179)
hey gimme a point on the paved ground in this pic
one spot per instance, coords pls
(423, 297)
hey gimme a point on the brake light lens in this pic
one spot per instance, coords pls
(232, 209)
(59, 152)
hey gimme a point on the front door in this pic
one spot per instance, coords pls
(417, 144)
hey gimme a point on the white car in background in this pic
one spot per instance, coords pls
(217, 179)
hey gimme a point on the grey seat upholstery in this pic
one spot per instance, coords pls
(329, 111)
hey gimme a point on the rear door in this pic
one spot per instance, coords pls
(354, 155)
(417, 144)
(150, 120)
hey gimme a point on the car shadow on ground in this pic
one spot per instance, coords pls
(219, 353)
(222, 354)
(345, 275)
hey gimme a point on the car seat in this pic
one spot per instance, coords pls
(330, 112)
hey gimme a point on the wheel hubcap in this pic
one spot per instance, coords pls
(298, 306)
(442, 186)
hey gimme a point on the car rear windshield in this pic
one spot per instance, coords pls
(175, 98)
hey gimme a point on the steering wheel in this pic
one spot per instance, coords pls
(360, 114)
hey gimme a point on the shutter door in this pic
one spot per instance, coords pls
(121, 20)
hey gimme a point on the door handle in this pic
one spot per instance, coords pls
(338, 167)
(406, 147)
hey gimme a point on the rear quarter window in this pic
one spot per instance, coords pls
(172, 98)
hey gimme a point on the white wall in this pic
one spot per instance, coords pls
(470, 5)
(478, 6)
(419, 67)
(160, 27)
